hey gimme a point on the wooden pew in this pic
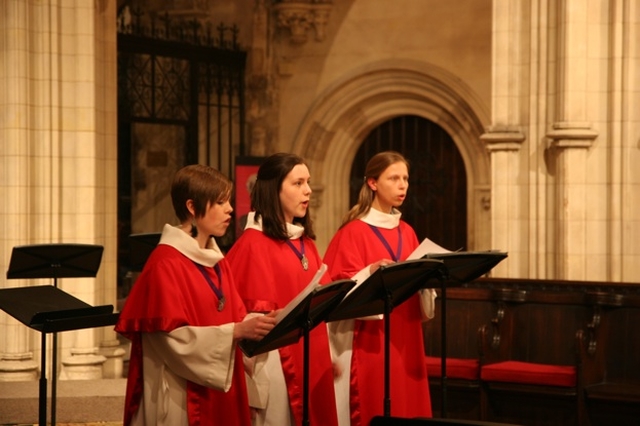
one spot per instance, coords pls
(611, 358)
(591, 327)
(529, 358)
(467, 309)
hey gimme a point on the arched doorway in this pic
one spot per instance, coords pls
(348, 111)
(436, 204)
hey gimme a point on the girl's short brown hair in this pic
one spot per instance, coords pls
(202, 184)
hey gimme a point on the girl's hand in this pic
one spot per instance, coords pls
(255, 327)
(375, 266)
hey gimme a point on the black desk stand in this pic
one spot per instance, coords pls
(460, 268)
(385, 289)
(48, 309)
(141, 246)
(307, 314)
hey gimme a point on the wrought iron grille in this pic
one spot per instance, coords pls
(180, 101)
(188, 73)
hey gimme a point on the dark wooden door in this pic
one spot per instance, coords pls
(436, 204)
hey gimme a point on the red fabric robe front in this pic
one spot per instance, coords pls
(269, 275)
(353, 248)
(171, 292)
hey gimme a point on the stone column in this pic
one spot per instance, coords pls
(504, 139)
(106, 137)
(88, 164)
(59, 159)
(18, 358)
(571, 137)
(506, 203)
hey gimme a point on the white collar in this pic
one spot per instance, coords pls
(188, 246)
(294, 231)
(382, 220)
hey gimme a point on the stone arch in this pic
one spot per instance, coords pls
(344, 113)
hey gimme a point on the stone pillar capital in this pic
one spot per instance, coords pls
(572, 135)
(503, 138)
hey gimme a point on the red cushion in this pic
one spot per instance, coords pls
(457, 368)
(529, 373)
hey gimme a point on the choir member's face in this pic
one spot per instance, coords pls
(295, 193)
(216, 220)
(391, 187)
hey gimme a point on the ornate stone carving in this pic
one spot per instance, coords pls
(300, 16)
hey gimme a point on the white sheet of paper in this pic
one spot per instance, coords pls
(426, 247)
(313, 284)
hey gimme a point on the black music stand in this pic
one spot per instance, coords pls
(55, 261)
(141, 246)
(461, 267)
(466, 266)
(298, 322)
(48, 309)
(388, 287)
(398, 421)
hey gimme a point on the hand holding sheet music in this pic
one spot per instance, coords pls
(301, 315)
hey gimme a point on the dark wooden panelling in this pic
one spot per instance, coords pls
(593, 325)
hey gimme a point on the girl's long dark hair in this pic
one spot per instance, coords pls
(265, 197)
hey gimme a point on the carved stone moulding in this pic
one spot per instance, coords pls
(503, 138)
(299, 17)
(572, 135)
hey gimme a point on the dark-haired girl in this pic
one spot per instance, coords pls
(273, 260)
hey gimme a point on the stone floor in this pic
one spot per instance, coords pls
(78, 403)
(68, 424)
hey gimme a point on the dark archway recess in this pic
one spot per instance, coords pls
(436, 205)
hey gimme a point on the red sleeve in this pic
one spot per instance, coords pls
(231, 289)
(410, 237)
(316, 259)
(156, 302)
(344, 255)
(355, 246)
(253, 272)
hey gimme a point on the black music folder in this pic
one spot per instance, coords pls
(466, 266)
(306, 312)
(391, 284)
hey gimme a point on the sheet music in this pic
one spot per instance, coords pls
(427, 296)
(426, 247)
(313, 284)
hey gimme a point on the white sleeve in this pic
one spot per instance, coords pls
(203, 355)
(256, 375)
(258, 381)
(428, 303)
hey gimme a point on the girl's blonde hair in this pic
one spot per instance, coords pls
(375, 167)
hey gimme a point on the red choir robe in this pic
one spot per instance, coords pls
(269, 275)
(171, 297)
(353, 248)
